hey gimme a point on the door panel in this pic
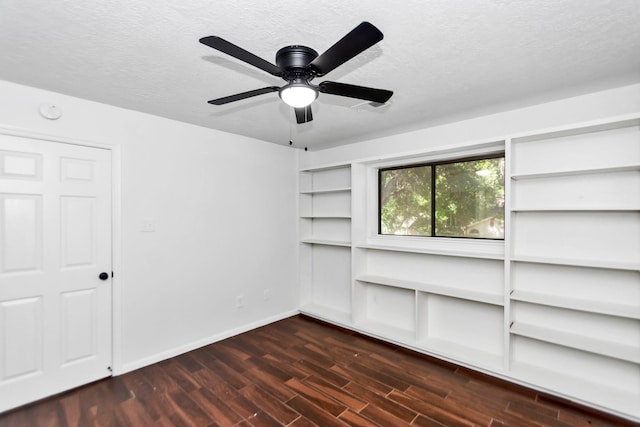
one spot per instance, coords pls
(55, 239)
(21, 337)
(21, 219)
(77, 239)
(77, 333)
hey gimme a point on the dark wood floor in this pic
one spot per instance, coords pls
(301, 372)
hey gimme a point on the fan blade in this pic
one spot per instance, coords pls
(352, 91)
(358, 40)
(237, 52)
(303, 115)
(244, 95)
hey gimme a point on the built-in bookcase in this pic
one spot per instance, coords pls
(447, 305)
(556, 305)
(575, 263)
(325, 242)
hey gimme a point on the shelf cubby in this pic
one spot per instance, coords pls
(492, 254)
(578, 262)
(449, 291)
(588, 149)
(344, 244)
(460, 328)
(582, 386)
(327, 190)
(603, 192)
(622, 351)
(579, 304)
(590, 238)
(577, 172)
(389, 310)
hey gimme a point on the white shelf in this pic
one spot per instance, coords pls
(327, 190)
(327, 313)
(326, 242)
(581, 209)
(386, 331)
(612, 349)
(463, 254)
(476, 296)
(325, 168)
(622, 168)
(612, 265)
(579, 129)
(571, 303)
(464, 353)
(578, 389)
(325, 216)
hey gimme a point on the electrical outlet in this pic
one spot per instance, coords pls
(266, 295)
(240, 301)
(148, 225)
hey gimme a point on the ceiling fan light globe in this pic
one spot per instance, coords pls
(298, 95)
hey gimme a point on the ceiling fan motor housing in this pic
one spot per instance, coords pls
(294, 61)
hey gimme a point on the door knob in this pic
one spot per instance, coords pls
(103, 276)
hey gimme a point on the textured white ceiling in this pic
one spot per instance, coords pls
(444, 59)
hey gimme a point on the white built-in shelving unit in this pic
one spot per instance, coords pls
(575, 263)
(325, 242)
(556, 306)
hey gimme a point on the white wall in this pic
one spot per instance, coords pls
(223, 207)
(594, 106)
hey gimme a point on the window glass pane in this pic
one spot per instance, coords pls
(470, 199)
(405, 201)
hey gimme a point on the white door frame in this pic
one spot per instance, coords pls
(116, 230)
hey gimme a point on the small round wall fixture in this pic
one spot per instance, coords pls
(50, 111)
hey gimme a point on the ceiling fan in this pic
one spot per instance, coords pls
(298, 65)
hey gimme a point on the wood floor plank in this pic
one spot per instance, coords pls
(286, 366)
(441, 410)
(382, 402)
(338, 394)
(152, 400)
(247, 344)
(215, 408)
(342, 356)
(187, 410)
(269, 404)
(230, 356)
(381, 377)
(210, 380)
(356, 420)
(329, 374)
(300, 372)
(269, 383)
(263, 365)
(183, 378)
(317, 398)
(302, 422)
(309, 355)
(314, 413)
(383, 417)
(135, 413)
(72, 411)
(422, 421)
(362, 380)
(229, 375)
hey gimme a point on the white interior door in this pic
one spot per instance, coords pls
(55, 240)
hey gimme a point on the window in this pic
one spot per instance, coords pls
(461, 198)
